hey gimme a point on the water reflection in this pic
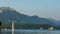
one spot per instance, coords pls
(17, 31)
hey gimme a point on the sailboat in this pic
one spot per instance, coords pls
(13, 27)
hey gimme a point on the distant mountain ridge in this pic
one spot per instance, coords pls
(8, 14)
(57, 22)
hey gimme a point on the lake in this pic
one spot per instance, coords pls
(28, 31)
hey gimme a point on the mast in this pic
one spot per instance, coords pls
(13, 27)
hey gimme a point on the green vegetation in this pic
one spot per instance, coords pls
(23, 21)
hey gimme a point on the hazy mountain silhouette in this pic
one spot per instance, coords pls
(8, 14)
(57, 22)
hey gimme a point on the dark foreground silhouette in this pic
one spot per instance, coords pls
(0, 27)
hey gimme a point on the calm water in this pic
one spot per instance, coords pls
(19, 31)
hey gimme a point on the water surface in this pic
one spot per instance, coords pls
(28, 31)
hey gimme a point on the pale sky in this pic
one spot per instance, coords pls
(42, 8)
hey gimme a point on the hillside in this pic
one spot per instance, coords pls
(8, 14)
(56, 22)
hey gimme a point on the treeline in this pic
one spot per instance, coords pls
(31, 26)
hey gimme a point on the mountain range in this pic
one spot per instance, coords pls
(57, 22)
(7, 15)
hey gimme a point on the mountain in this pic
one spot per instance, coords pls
(57, 22)
(8, 14)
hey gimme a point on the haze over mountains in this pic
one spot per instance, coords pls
(57, 22)
(8, 14)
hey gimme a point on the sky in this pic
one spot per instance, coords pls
(41, 8)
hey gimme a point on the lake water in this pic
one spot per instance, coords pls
(23, 31)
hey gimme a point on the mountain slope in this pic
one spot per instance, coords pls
(8, 14)
(57, 22)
